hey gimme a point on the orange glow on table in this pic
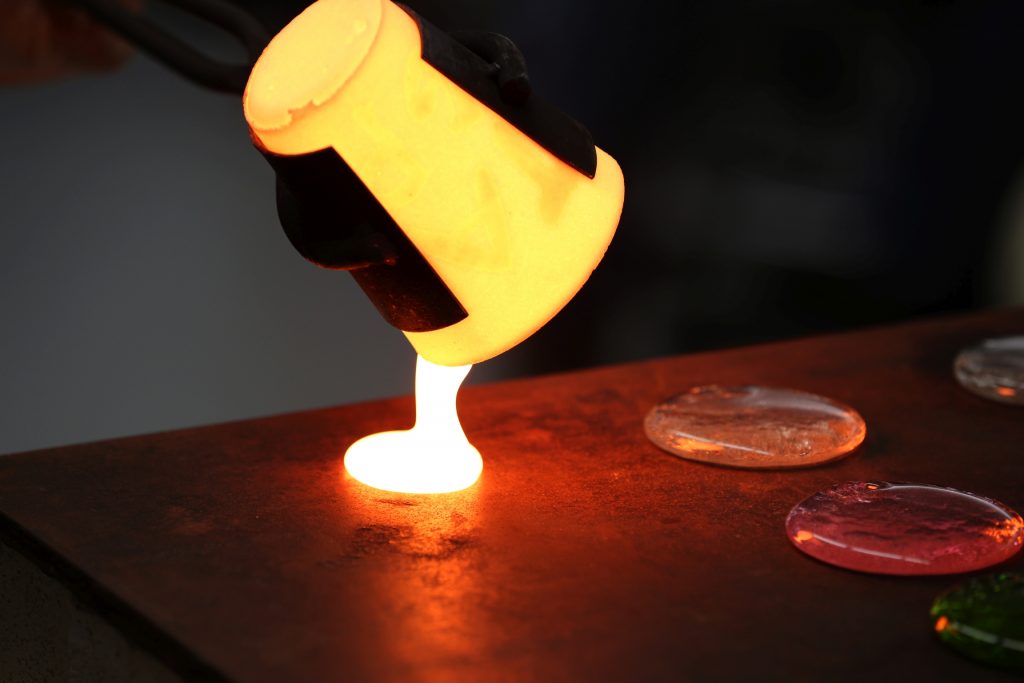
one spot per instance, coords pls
(803, 536)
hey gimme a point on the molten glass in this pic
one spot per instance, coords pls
(434, 456)
(511, 229)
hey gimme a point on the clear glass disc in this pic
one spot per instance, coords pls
(993, 369)
(754, 427)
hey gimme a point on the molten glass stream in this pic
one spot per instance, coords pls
(434, 456)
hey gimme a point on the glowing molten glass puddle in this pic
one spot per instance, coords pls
(434, 456)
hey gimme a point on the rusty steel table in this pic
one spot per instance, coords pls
(240, 552)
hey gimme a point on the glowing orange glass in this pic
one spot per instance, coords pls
(513, 231)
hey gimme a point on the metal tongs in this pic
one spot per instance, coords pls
(507, 64)
(175, 53)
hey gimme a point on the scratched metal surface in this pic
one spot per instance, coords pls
(240, 551)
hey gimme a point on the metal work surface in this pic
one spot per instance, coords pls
(241, 552)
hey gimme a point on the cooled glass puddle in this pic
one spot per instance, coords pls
(983, 618)
(993, 369)
(907, 529)
(754, 427)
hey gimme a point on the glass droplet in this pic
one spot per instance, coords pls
(983, 618)
(904, 529)
(993, 369)
(754, 427)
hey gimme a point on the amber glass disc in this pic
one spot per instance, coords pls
(754, 427)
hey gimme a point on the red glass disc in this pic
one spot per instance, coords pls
(906, 529)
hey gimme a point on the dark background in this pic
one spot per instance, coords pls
(791, 168)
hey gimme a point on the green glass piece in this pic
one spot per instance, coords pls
(983, 618)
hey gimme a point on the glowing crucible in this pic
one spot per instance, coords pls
(468, 220)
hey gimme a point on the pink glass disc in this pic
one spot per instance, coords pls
(905, 529)
(754, 427)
